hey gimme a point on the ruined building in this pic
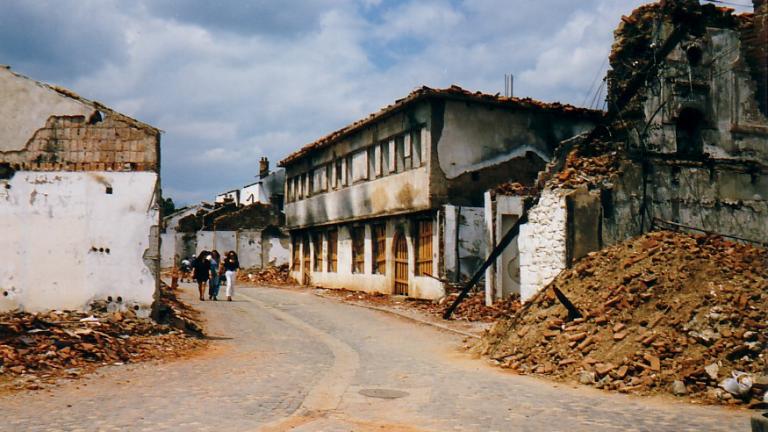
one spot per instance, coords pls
(685, 145)
(248, 220)
(79, 200)
(393, 203)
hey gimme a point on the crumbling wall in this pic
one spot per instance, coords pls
(694, 133)
(721, 200)
(59, 242)
(542, 243)
(73, 170)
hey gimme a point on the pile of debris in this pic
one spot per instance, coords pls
(664, 312)
(472, 309)
(267, 276)
(588, 164)
(514, 189)
(40, 347)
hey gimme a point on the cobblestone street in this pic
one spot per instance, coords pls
(289, 360)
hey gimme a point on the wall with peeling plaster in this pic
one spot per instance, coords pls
(66, 242)
(79, 214)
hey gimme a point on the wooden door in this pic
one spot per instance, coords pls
(305, 250)
(401, 264)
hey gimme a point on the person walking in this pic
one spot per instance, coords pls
(231, 264)
(202, 272)
(215, 281)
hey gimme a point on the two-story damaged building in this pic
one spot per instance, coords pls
(393, 203)
(79, 201)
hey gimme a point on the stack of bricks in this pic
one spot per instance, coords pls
(72, 143)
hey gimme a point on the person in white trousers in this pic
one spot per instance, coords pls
(231, 264)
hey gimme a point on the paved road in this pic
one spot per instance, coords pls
(288, 360)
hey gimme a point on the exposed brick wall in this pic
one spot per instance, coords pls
(73, 143)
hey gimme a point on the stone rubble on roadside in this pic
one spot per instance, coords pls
(40, 347)
(658, 309)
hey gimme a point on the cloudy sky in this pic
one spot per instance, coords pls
(231, 81)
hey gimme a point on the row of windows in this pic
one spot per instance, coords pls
(357, 234)
(395, 155)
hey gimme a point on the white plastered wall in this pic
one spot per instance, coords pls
(542, 243)
(64, 241)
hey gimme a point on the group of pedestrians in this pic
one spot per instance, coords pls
(209, 268)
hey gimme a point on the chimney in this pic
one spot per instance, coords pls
(263, 167)
(758, 50)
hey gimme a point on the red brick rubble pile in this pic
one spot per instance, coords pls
(37, 348)
(267, 276)
(665, 312)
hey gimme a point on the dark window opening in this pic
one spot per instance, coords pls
(688, 132)
(109, 190)
(317, 245)
(606, 201)
(694, 55)
(676, 176)
(96, 117)
(6, 171)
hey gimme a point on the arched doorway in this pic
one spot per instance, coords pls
(400, 246)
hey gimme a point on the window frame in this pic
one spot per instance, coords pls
(357, 236)
(379, 248)
(424, 247)
(332, 237)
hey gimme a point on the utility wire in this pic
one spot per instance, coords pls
(594, 81)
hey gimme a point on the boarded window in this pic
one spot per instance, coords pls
(295, 262)
(424, 252)
(348, 172)
(399, 154)
(319, 180)
(317, 264)
(359, 166)
(377, 161)
(358, 249)
(407, 154)
(384, 158)
(391, 166)
(339, 173)
(333, 247)
(416, 147)
(379, 249)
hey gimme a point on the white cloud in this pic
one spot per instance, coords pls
(244, 80)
